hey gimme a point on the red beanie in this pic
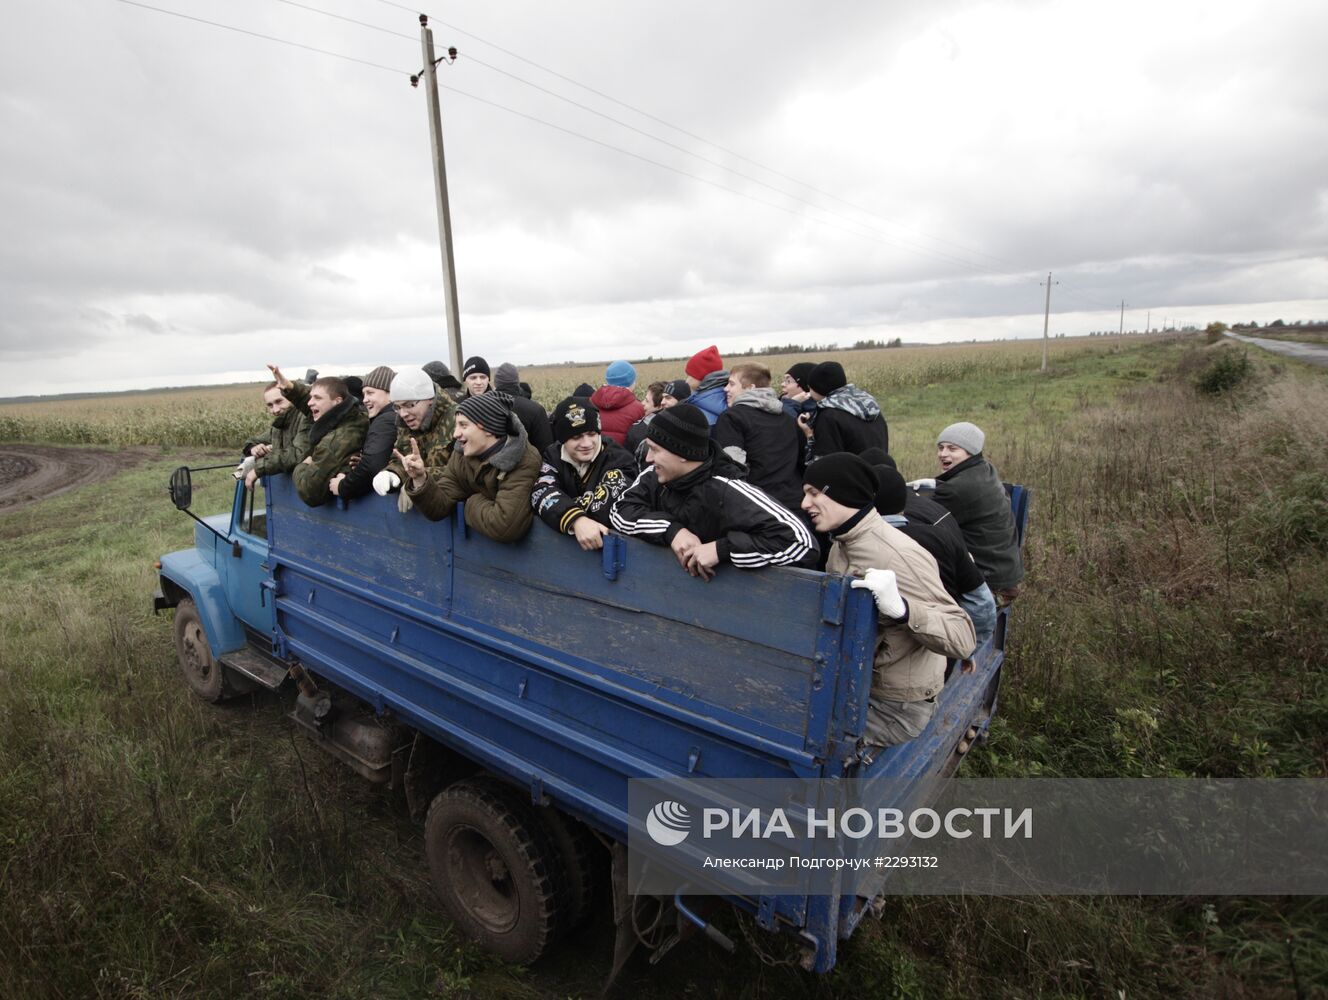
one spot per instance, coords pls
(704, 362)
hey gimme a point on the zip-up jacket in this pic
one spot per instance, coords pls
(755, 432)
(910, 654)
(378, 443)
(973, 493)
(750, 528)
(618, 410)
(567, 491)
(848, 419)
(709, 396)
(495, 487)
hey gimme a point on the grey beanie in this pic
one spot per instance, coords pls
(967, 436)
(507, 378)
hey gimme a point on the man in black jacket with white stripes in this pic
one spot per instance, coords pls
(693, 499)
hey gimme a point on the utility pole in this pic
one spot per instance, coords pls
(1122, 317)
(1046, 321)
(1148, 325)
(440, 192)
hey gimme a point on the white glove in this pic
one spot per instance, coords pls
(243, 468)
(881, 583)
(385, 482)
(922, 484)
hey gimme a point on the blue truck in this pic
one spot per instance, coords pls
(513, 690)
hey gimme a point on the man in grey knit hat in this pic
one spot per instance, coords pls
(492, 470)
(970, 488)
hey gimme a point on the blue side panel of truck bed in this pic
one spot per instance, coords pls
(571, 672)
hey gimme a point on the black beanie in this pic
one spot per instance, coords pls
(490, 410)
(355, 384)
(876, 456)
(474, 366)
(799, 373)
(574, 416)
(683, 430)
(893, 494)
(826, 377)
(843, 477)
(585, 389)
(678, 389)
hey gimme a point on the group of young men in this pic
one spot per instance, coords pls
(715, 465)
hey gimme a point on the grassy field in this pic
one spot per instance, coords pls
(1172, 624)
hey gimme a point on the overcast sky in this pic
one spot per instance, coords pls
(182, 204)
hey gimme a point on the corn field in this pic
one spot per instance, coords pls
(223, 416)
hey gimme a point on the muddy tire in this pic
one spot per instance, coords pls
(583, 859)
(205, 676)
(494, 868)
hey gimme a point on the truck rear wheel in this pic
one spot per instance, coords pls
(494, 868)
(205, 676)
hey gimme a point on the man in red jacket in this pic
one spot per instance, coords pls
(617, 405)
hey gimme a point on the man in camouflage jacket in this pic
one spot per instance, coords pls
(424, 417)
(283, 446)
(337, 433)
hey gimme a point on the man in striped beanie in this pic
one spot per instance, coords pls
(492, 470)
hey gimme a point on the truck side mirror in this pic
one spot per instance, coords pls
(182, 488)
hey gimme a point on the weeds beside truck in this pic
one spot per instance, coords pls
(511, 691)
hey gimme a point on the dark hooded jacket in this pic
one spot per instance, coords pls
(565, 492)
(333, 439)
(495, 487)
(935, 529)
(379, 441)
(618, 410)
(973, 493)
(755, 432)
(751, 528)
(848, 419)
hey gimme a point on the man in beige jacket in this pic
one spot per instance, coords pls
(920, 624)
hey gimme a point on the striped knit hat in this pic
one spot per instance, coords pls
(380, 378)
(491, 411)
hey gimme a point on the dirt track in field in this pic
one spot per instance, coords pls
(33, 472)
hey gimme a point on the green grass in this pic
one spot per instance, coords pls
(1172, 624)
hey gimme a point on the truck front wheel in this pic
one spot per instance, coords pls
(205, 676)
(497, 874)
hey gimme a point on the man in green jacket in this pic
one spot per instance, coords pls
(492, 470)
(337, 433)
(283, 446)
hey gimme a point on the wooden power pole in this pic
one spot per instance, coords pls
(1046, 321)
(440, 192)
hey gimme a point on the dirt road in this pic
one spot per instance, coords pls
(32, 472)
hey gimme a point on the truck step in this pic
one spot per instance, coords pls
(258, 668)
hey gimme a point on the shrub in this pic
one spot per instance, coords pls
(1229, 371)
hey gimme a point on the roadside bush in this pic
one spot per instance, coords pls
(1228, 372)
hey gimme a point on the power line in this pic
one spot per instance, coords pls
(512, 111)
(349, 20)
(698, 138)
(257, 34)
(889, 238)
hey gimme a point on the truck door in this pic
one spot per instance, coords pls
(244, 570)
